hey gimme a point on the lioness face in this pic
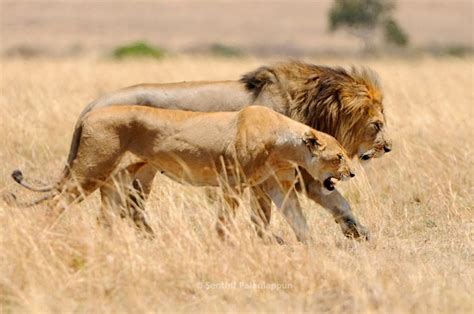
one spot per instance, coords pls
(375, 142)
(328, 161)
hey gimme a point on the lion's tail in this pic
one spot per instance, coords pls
(11, 200)
(17, 175)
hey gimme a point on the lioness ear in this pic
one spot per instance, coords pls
(313, 142)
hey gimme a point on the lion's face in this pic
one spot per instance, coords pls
(328, 161)
(374, 140)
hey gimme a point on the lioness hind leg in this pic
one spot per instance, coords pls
(136, 207)
(113, 202)
(72, 192)
(142, 182)
(125, 194)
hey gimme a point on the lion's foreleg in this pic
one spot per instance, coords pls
(340, 209)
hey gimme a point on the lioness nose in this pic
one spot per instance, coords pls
(387, 148)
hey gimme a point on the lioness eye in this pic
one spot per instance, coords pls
(340, 157)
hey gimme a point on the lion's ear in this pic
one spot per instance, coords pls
(313, 142)
(256, 80)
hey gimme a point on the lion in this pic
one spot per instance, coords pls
(346, 104)
(253, 147)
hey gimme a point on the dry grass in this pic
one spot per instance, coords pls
(418, 203)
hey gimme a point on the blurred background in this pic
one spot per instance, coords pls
(296, 28)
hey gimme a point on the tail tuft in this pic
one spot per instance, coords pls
(17, 175)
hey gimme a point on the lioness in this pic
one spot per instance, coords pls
(202, 149)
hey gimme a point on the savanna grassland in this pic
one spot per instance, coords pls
(417, 201)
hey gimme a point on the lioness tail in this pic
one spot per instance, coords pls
(17, 175)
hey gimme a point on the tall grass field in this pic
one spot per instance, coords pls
(417, 202)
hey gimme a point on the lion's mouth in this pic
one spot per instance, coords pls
(330, 183)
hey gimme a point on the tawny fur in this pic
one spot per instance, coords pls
(231, 149)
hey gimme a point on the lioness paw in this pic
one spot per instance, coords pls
(358, 233)
(353, 230)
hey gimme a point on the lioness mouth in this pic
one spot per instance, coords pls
(329, 183)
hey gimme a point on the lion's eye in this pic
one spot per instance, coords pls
(340, 157)
(376, 126)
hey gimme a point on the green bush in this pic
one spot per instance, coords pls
(225, 51)
(138, 49)
(394, 34)
(458, 51)
(362, 18)
(358, 13)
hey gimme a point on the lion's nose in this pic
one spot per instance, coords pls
(387, 148)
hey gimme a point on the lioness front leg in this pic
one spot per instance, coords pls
(285, 198)
(338, 206)
(261, 205)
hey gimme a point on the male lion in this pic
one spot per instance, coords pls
(255, 146)
(344, 104)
